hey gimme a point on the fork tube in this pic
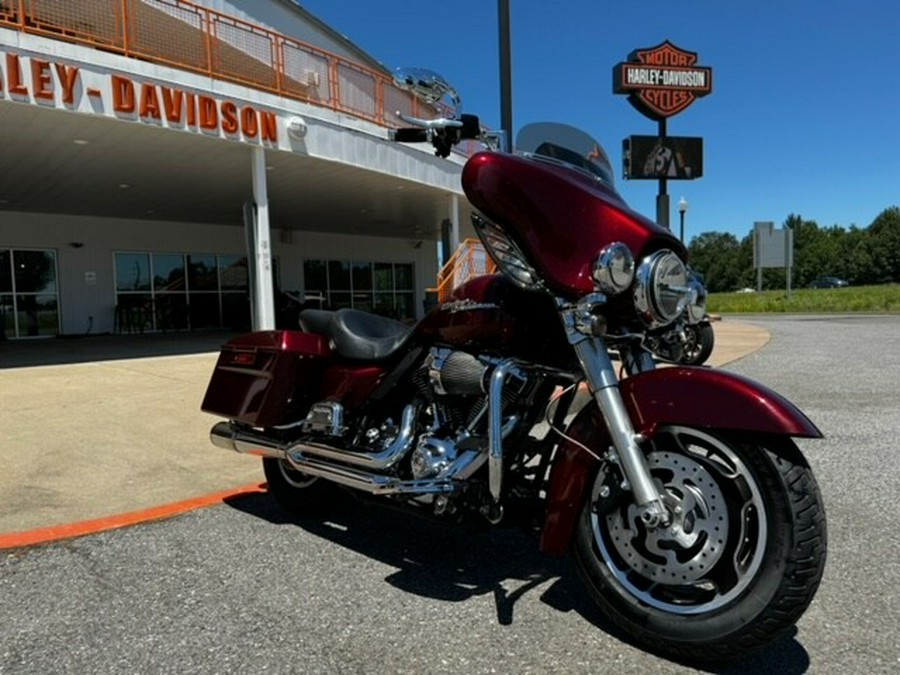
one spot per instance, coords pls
(601, 377)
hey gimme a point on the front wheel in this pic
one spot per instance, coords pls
(736, 566)
(699, 340)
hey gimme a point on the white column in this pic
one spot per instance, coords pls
(454, 224)
(263, 294)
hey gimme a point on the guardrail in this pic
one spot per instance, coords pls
(185, 35)
(468, 261)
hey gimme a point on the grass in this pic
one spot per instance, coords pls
(863, 299)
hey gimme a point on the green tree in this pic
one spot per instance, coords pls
(716, 255)
(884, 246)
(855, 250)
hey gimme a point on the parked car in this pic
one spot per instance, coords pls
(829, 282)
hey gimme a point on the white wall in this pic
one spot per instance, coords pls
(84, 305)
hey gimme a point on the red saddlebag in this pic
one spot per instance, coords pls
(267, 378)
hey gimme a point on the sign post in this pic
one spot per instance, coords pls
(660, 82)
(773, 248)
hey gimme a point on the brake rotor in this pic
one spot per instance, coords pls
(695, 539)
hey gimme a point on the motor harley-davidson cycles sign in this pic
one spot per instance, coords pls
(662, 81)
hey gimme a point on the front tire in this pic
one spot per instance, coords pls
(739, 562)
(698, 344)
(296, 492)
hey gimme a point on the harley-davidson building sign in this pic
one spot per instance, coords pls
(662, 81)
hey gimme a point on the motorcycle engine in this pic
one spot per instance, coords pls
(454, 383)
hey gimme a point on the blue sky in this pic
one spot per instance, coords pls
(804, 116)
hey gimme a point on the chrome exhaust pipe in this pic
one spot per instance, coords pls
(368, 460)
(247, 441)
(227, 436)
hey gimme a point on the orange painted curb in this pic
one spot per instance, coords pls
(80, 529)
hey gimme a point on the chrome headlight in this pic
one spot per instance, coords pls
(661, 293)
(696, 306)
(614, 270)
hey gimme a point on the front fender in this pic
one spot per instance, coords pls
(717, 399)
(685, 396)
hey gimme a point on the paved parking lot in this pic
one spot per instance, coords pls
(239, 587)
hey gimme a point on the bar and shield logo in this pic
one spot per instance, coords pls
(662, 81)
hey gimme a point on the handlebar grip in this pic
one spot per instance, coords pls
(409, 135)
(471, 128)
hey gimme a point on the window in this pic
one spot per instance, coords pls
(180, 291)
(380, 287)
(29, 294)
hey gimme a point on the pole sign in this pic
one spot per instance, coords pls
(662, 81)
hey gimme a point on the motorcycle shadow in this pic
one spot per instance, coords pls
(454, 562)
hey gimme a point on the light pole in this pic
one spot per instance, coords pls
(682, 209)
(505, 74)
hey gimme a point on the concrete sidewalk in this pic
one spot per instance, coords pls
(86, 438)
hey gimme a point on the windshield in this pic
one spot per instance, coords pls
(567, 145)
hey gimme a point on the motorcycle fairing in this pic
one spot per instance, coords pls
(688, 396)
(563, 213)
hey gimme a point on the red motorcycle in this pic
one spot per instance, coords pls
(694, 521)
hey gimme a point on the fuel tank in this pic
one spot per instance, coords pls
(559, 217)
(491, 314)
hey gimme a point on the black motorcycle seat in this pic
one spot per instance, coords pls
(316, 321)
(356, 334)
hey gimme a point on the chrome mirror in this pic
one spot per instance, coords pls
(429, 87)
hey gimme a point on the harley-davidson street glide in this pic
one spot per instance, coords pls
(692, 517)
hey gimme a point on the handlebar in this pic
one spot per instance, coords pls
(443, 133)
(409, 135)
(439, 123)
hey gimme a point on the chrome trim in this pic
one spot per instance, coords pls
(229, 437)
(376, 484)
(253, 442)
(658, 285)
(600, 374)
(497, 431)
(696, 306)
(247, 441)
(325, 416)
(614, 270)
(381, 460)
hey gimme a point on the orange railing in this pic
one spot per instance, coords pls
(470, 260)
(188, 36)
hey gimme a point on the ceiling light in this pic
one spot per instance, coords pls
(80, 141)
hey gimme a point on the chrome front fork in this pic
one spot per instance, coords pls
(584, 332)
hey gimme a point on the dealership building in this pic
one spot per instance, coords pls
(173, 165)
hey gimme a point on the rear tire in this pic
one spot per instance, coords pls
(739, 563)
(296, 492)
